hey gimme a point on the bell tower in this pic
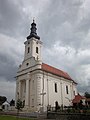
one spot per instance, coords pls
(27, 78)
(33, 44)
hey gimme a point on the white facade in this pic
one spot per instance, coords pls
(6, 106)
(38, 88)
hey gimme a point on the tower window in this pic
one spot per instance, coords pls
(28, 50)
(66, 89)
(36, 49)
(56, 87)
(27, 64)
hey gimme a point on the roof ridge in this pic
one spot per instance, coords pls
(56, 71)
(55, 68)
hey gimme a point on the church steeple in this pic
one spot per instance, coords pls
(33, 44)
(33, 32)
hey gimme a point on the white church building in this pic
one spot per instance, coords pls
(38, 84)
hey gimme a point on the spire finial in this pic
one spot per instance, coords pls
(33, 19)
(33, 32)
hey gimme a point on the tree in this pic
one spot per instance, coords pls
(87, 95)
(12, 102)
(2, 99)
(19, 105)
(80, 105)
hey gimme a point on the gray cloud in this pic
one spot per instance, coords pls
(10, 56)
(7, 88)
(9, 16)
(64, 17)
(7, 68)
(13, 18)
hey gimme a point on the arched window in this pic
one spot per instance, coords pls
(27, 64)
(55, 87)
(66, 89)
(36, 49)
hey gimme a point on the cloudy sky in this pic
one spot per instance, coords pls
(64, 29)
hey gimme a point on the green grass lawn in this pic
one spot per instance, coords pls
(13, 118)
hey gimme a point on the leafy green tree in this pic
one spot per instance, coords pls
(2, 99)
(12, 102)
(87, 95)
(19, 105)
(80, 105)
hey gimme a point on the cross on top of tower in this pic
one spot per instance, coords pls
(33, 20)
(33, 32)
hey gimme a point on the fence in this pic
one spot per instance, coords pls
(65, 116)
(69, 109)
(68, 113)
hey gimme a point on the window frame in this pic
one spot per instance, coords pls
(67, 91)
(28, 50)
(37, 50)
(55, 86)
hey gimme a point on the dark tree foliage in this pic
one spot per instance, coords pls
(19, 104)
(87, 95)
(80, 105)
(12, 102)
(2, 99)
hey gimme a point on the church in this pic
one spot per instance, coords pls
(38, 84)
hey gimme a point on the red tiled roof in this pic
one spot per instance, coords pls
(78, 98)
(55, 71)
